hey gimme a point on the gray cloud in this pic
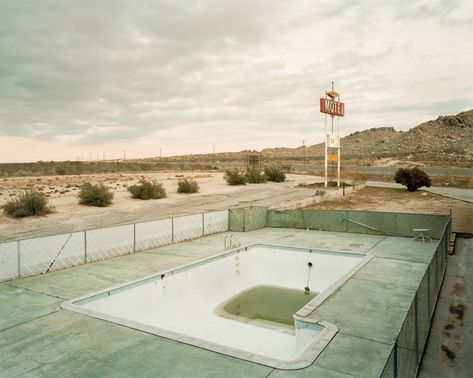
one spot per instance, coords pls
(113, 72)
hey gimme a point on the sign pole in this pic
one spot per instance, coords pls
(326, 150)
(332, 105)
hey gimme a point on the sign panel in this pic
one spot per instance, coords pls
(332, 107)
(332, 157)
(333, 141)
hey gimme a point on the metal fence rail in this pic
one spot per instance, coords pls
(26, 257)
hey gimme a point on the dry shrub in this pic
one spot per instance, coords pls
(412, 178)
(235, 177)
(274, 173)
(95, 195)
(187, 185)
(146, 190)
(28, 203)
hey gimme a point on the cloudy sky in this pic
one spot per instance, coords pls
(81, 79)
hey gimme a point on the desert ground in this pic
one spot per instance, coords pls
(400, 200)
(214, 195)
(68, 215)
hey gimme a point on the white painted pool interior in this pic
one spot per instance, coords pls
(184, 301)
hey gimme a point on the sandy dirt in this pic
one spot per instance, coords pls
(214, 195)
(68, 215)
(400, 200)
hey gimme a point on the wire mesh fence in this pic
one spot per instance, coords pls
(26, 257)
(408, 349)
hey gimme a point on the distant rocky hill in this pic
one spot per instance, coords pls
(447, 138)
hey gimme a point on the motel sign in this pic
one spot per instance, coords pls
(332, 106)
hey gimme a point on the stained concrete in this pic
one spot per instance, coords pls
(40, 340)
(450, 345)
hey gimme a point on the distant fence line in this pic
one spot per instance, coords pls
(37, 255)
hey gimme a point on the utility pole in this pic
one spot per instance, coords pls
(124, 154)
(303, 149)
(213, 148)
(160, 153)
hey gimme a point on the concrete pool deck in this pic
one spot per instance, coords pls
(37, 338)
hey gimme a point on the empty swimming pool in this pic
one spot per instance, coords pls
(252, 303)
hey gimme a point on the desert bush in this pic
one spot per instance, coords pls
(146, 190)
(187, 185)
(355, 178)
(95, 195)
(274, 173)
(27, 203)
(60, 170)
(255, 176)
(235, 177)
(412, 178)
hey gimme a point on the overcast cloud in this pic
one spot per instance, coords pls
(81, 78)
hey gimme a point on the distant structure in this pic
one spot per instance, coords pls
(334, 108)
(254, 160)
(304, 151)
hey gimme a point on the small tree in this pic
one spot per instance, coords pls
(235, 177)
(95, 195)
(187, 185)
(255, 176)
(28, 202)
(412, 178)
(146, 190)
(274, 173)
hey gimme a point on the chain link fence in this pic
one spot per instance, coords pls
(26, 257)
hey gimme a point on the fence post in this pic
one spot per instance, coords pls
(85, 246)
(172, 230)
(395, 360)
(416, 330)
(203, 224)
(428, 291)
(134, 237)
(18, 257)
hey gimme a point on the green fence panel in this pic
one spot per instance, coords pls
(255, 218)
(423, 313)
(388, 371)
(375, 223)
(286, 219)
(406, 346)
(325, 220)
(407, 222)
(236, 220)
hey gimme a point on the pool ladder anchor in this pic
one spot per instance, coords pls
(307, 288)
(233, 242)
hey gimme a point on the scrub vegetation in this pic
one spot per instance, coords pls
(27, 203)
(235, 177)
(95, 195)
(274, 173)
(146, 190)
(187, 185)
(412, 178)
(255, 176)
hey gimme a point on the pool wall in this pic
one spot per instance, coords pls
(180, 304)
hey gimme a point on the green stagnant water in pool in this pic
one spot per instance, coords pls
(269, 306)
